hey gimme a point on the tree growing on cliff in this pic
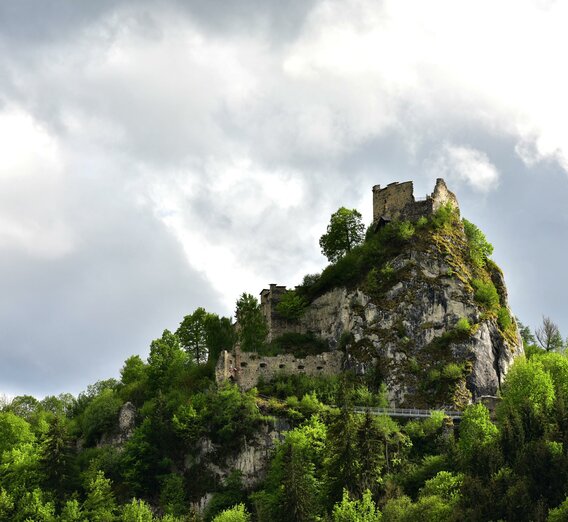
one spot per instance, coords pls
(252, 327)
(345, 230)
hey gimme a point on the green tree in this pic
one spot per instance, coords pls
(100, 504)
(479, 248)
(291, 305)
(192, 334)
(72, 512)
(100, 416)
(476, 430)
(13, 431)
(237, 513)
(56, 457)
(165, 362)
(370, 442)
(548, 335)
(220, 335)
(344, 231)
(342, 463)
(527, 384)
(252, 327)
(362, 510)
(136, 511)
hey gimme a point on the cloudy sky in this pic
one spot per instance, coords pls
(160, 156)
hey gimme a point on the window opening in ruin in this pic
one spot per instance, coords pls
(244, 365)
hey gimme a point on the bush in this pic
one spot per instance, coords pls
(237, 513)
(452, 371)
(463, 326)
(405, 230)
(485, 294)
(446, 215)
(291, 305)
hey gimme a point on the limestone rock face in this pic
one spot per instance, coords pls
(409, 334)
(124, 428)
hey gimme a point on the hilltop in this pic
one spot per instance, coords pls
(418, 306)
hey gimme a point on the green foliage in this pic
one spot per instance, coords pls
(56, 457)
(559, 514)
(485, 294)
(293, 486)
(476, 431)
(528, 384)
(100, 416)
(204, 335)
(291, 305)
(136, 511)
(231, 494)
(298, 385)
(228, 415)
(192, 335)
(237, 513)
(252, 327)
(479, 248)
(13, 431)
(362, 510)
(100, 503)
(445, 217)
(504, 319)
(344, 232)
(72, 512)
(463, 326)
(166, 361)
(405, 230)
(173, 495)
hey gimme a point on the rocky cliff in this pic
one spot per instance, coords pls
(413, 334)
(418, 306)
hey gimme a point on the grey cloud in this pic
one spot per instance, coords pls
(69, 321)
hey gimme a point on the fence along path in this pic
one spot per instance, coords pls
(405, 412)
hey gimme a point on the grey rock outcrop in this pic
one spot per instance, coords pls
(406, 334)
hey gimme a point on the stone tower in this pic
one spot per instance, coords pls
(396, 201)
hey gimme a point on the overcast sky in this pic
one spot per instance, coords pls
(160, 156)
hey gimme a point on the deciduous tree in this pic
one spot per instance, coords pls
(344, 231)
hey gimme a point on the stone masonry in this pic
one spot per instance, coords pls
(396, 201)
(247, 368)
(277, 325)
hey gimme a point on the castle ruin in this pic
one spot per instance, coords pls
(246, 368)
(396, 202)
(277, 325)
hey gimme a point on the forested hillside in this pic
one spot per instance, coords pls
(183, 454)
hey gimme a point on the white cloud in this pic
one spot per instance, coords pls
(461, 163)
(31, 185)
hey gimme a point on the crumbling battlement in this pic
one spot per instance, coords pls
(396, 201)
(246, 368)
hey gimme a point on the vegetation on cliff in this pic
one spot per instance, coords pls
(66, 459)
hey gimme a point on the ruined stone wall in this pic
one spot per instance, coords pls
(396, 201)
(392, 200)
(277, 325)
(443, 195)
(246, 368)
